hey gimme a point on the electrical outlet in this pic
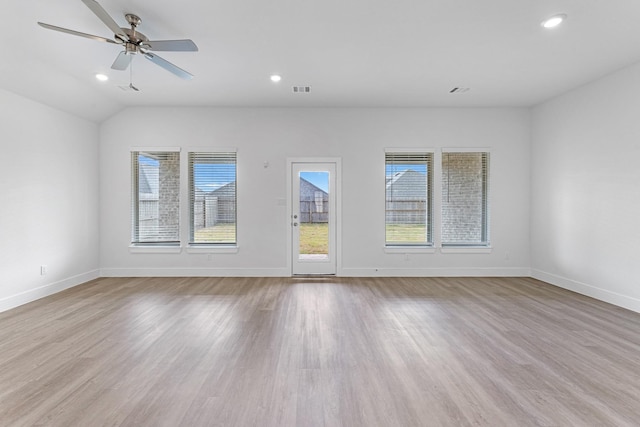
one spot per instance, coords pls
(43, 270)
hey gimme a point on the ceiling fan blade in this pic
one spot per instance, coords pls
(172, 45)
(106, 18)
(122, 61)
(168, 66)
(76, 33)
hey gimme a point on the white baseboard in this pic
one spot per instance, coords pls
(592, 291)
(194, 272)
(25, 297)
(344, 272)
(436, 272)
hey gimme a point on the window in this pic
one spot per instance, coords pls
(212, 198)
(465, 201)
(155, 207)
(408, 198)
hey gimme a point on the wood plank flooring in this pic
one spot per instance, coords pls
(319, 352)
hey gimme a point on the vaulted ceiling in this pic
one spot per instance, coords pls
(352, 53)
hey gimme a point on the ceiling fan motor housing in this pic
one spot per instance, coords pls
(135, 40)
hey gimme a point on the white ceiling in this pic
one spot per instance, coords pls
(353, 53)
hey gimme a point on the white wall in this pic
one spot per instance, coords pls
(358, 137)
(565, 197)
(586, 189)
(49, 206)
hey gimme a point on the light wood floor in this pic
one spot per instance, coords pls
(319, 352)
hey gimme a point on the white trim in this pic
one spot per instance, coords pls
(438, 272)
(437, 199)
(465, 150)
(434, 168)
(211, 249)
(195, 272)
(337, 161)
(154, 249)
(185, 205)
(30, 295)
(211, 149)
(183, 208)
(346, 272)
(620, 300)
(466, 250)
(438, 196)
(156, 149)
(409, 150)
(409, 249)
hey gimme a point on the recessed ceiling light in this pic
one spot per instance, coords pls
(554, 21)
(275, 78)
(102, 77)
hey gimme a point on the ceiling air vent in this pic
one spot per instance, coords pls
(301, 89)
(460, 90)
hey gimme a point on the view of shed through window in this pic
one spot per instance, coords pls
(313, 217)
(212, 196)
(408, 181)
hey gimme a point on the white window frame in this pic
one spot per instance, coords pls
(422, 247)
(471, 247)
(208, 247)
(152, 247)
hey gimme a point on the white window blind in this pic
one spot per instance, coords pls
(465, 199)
(155, 207)
(212, 198)
(408, 199)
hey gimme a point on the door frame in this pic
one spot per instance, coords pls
(337, 161)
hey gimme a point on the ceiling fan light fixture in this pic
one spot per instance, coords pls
(102, 77)
(554, 21)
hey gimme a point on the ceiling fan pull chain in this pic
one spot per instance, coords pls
(131, 77)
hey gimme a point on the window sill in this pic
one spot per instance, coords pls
(409, 249)
(212, 249)
(466, 250)
(142, 249)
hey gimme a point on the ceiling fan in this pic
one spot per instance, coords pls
(133, 41)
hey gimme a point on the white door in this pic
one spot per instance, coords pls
(313, 218)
